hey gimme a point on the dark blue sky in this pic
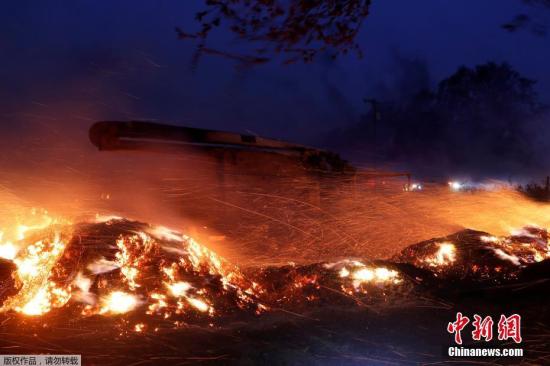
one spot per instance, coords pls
(74, 62)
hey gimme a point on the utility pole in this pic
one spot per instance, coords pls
(376, 116)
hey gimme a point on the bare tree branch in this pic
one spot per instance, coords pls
(297, 30)
(535, 24)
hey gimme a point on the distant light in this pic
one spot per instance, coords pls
(416, 187)
(413, 187)
(455, 186)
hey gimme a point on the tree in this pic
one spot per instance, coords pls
(478, 119)
(297, 29)
(488, 108)
(535, 23)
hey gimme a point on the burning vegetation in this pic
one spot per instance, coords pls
(118, 266)
(158, 277)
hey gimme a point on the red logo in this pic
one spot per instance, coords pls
(483, 328)
(508, 328)
(457, 326)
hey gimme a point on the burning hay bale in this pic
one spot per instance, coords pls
(8, 284)
(119, 266)
(471, 256)
(344, 283)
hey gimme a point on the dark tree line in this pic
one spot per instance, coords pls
(297, 30)
(478, 118)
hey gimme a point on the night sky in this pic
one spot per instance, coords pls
(70, 63)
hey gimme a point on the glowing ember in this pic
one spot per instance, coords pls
(179, 289)
(445, 255)
(364, 275)
(118, 302)
(383, 274)
(8, 250)
(489, 239)
(344, 272)
(46, 298)
(198, 304)
(376, 275)
(134, 252)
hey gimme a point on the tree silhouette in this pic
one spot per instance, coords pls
(297, 29)
(484, 117)
(489, 106)
(535, 24)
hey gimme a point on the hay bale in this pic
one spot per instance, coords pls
(8, 283)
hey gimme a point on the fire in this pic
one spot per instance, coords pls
(344, 272)
(8, 250)
(35, 260)
(198, 304)
(376, 275)
(383, 274)
(158, 274)
(445, 255)
(527, 245)
(38, 305)
(38, 220)
(46, 298)
(179, 289)
(118, 302)
(489, 239)
(361, 274)
(133, 252)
